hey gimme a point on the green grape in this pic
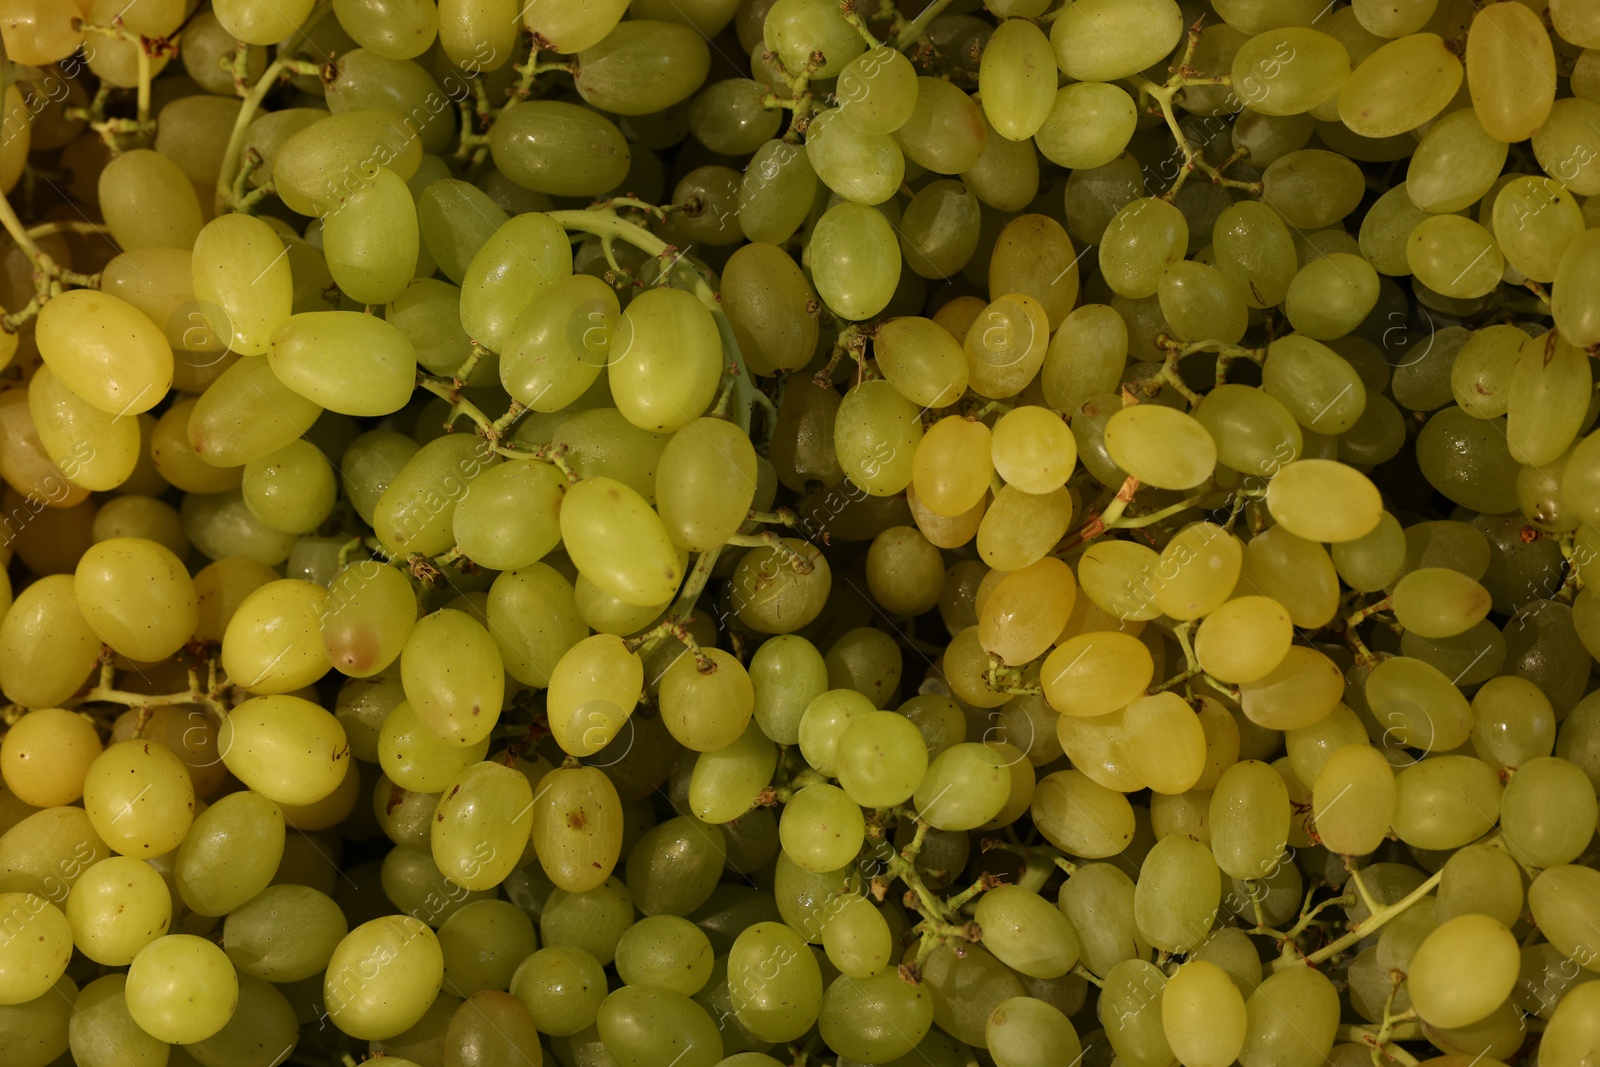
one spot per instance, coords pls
(291, 490)
(857, 938)
(1200, 567)
(283, 934)
(247, 413)
(642, 66)
(1082, 817)
(673, 868)
(1249, 819)
(1028, 1032)
(1463, 970)
(396, 29)
(516, 263)
(559, 149)
(559, 343)
(118, 906)
(1099, 747)
(454, 220)
(705, 483)
(765, 296)
(706, 705)
(1016, 79)
(1386, 230)
(1098, 900)
(1085, 124)
(876, 1019)
(776, 192)
(1469, 461)
(877, 91)
(262, 22)
(1118, 577)
(65, 422)
(1331, 296)
(416, 512)
(1143, 239)
(1429, 811)
(1400, 86)
(1019, 528)
(382, 977)
(1454, 256)
(534, 620)
(572, 29)
(863, 168)
(795, 29)
(1027, 610)
(1319, 388)
(230, 854)
(1096, 673)
(1321, 500)
(643, 1026)
(966, 785)
(368, 466)
(453, 676)
(1253, 249)
(1577, 315)
(1543, 415)
(904, 571)
(273, 643)
(594, 685)
(1354, 800)
(1253, 430)
(1292, 1019)
(1161, 446)
(1026, 933)
(482, 825)
(1099, 40)
(619, 543)
(666, 952)
(1310, 747)
(728, 118)
(1130, 1010)
(149, 202)
(1006, 174)
(1033, 450)
(491, 1029)
(855, 260)
(139, 798)
(1547, 805)
(1571, 1033)
(46, 754)
(1312, 188)
(1175, 755)
(1455, 165)
(787, 673)
(138, 596)
(1203, 1015)
(946, 130)
(1480, 880)
(774, 982)
(577, 828)
(100, 1031)
(561, 987)
(939, 229)
(876, 436)
(1481, 376)
(668, 362)
(1289, 71)
(1564, 145)
(1534, 220)
(1301, 689)
(367, 617)
(371, 241)
(483, 945)
(1565, 902)
(122, 366)
(952, 467)
(821, 828)
(181, 989)
(509, 520)
(320, 164)
(287, 749)
(725, 783)
(1200, 303)
(1418, 705)
(1438, 602)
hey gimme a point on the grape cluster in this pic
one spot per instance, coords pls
(635, 533)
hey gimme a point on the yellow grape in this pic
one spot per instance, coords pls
(951, 468)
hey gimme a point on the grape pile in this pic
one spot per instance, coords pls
(636, 533)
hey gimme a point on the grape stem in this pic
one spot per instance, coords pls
(247, 113)
(1183, 76)
(1108, 519)
(1373, 921)
(209, 695)
(1364, 656)
(917, 29)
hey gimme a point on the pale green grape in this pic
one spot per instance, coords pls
(1454, 256)
(706, 706)
(181, 989)
(1565, 902)
(1354, 799)
(148, 201)
(1313, 188)
(1463, 970)
(618, 542)
(1321, 500)
(102, 1033)
(855, 260)
(1098, 899)
(284, 934)
(1118, 578)
(642, 66)
(1571, 1033)
(482, 825)
(1201, 304)
(777, 590)
(1331, 296)
(1469, 461)
(1130, 1011)
(1203, 1015)
(273, 643)
(765, 296)
(876, 1019)
(1016, 79)
(1291, 1020)
(952, 466)
(1301, 689)
(231, 853)
(667, 952)
(1534, 220)
(1547, 402)
(1444, 802)
(371, 241)
(795, 29)
(728, 118)
(1481, 376)
(367, 617)
(382, 977)
(862, 167)
(876, 436)
(946, 131)
(673, 868)
(1321, 390)
(1028, 1032)
(776, 192)
(453, 676)
(291, 490)
(904, 571)
(577, 828)
(821, 828)
(1175, 755)
(260, 21)
(560, 343)
(1101, 40)
(1096, 673)
(705, 483)
(879, 759)
(939, 229)
(1082, 817)
(966, 785)
(1480, 880)
(139, 798)
(877, 91)
(1253, 248)
(666, 360)
(247, 413)
(1289, 71)
(287, 749)
(1572, 301)
(1254, 432)
(1085, 125)
(1565, 145)
(725, 783)
(138, 596)
(396, 29)
(105, 351)
(318, 165)
(571, 28)
(1034, 258)
(1456, 163)
(1547, 805)
(562, 987)
(454, 220)
(1400, 86)
(1026, 933)
(774, 982)
(1199, 569)
(1142, 241)
(1438, 602)
(1249, 820)
(65, 423)
(38, 946)
(347, 362)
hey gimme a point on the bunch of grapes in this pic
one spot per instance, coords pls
(799, 533)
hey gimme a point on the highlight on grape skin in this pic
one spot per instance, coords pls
(826, 533)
